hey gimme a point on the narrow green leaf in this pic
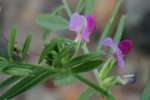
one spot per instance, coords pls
(52, 22)
(8, 82)
(89, 6)
(80, 6)
(85, 95)
(82, 59)
(11, 42)
(120, 29)
(26, 46)
(145, 95)
(58, 10)
(20, 69)
(67, 7)
(88, 66)
(25, 84)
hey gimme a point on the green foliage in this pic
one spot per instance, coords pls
(65, 80)
(110, 23)
(90, 65)
(85, 95)
(89, 5)
(11, 42)
(58, 10)
(145, 95)
(52, 22)
(120, 29)
(67, 7)
(80, 6)
(20, 69)
(61, 59)
(24, 84)
(26, 45)
(8, 82)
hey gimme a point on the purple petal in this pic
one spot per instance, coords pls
(91, 23)
(125, 46)
(117, 52)
(109, 43)
(77, 23)
(86, 35)
(120, 58)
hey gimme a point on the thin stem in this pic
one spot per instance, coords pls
(67, 8)
(95, 87)
(90, 84)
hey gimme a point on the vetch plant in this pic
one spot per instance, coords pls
(62, 60)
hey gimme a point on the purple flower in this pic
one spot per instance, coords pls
(125, 46)
(82, 25)
(108, 42)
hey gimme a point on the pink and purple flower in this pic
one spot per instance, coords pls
(82, 25)
(119, 50)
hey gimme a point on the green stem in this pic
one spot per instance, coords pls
(95, 87)
(67, 7)
(90, 84)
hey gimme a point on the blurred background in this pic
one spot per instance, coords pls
(22, 14)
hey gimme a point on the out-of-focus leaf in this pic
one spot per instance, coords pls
(52, 22)
(120, 29)
(88, 66)
(110, 23)
(11, 42)
(85, 95)
(67, 7)
(146, 93)
(64, 81)
(25, 84)
(80, 6)
(58, 10)
(26, 46)
(47, 49)
(89, 6)
(8, 82)
(20, 69)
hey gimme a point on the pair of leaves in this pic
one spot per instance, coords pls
(110, 23)
(11, 44)
(52, 22)
(25, 84)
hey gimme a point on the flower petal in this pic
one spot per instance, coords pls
(91, 24)
(86, 35)
(125, 46)
(77, 23)
(109, 43)
(117, 52)
(120, 58)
